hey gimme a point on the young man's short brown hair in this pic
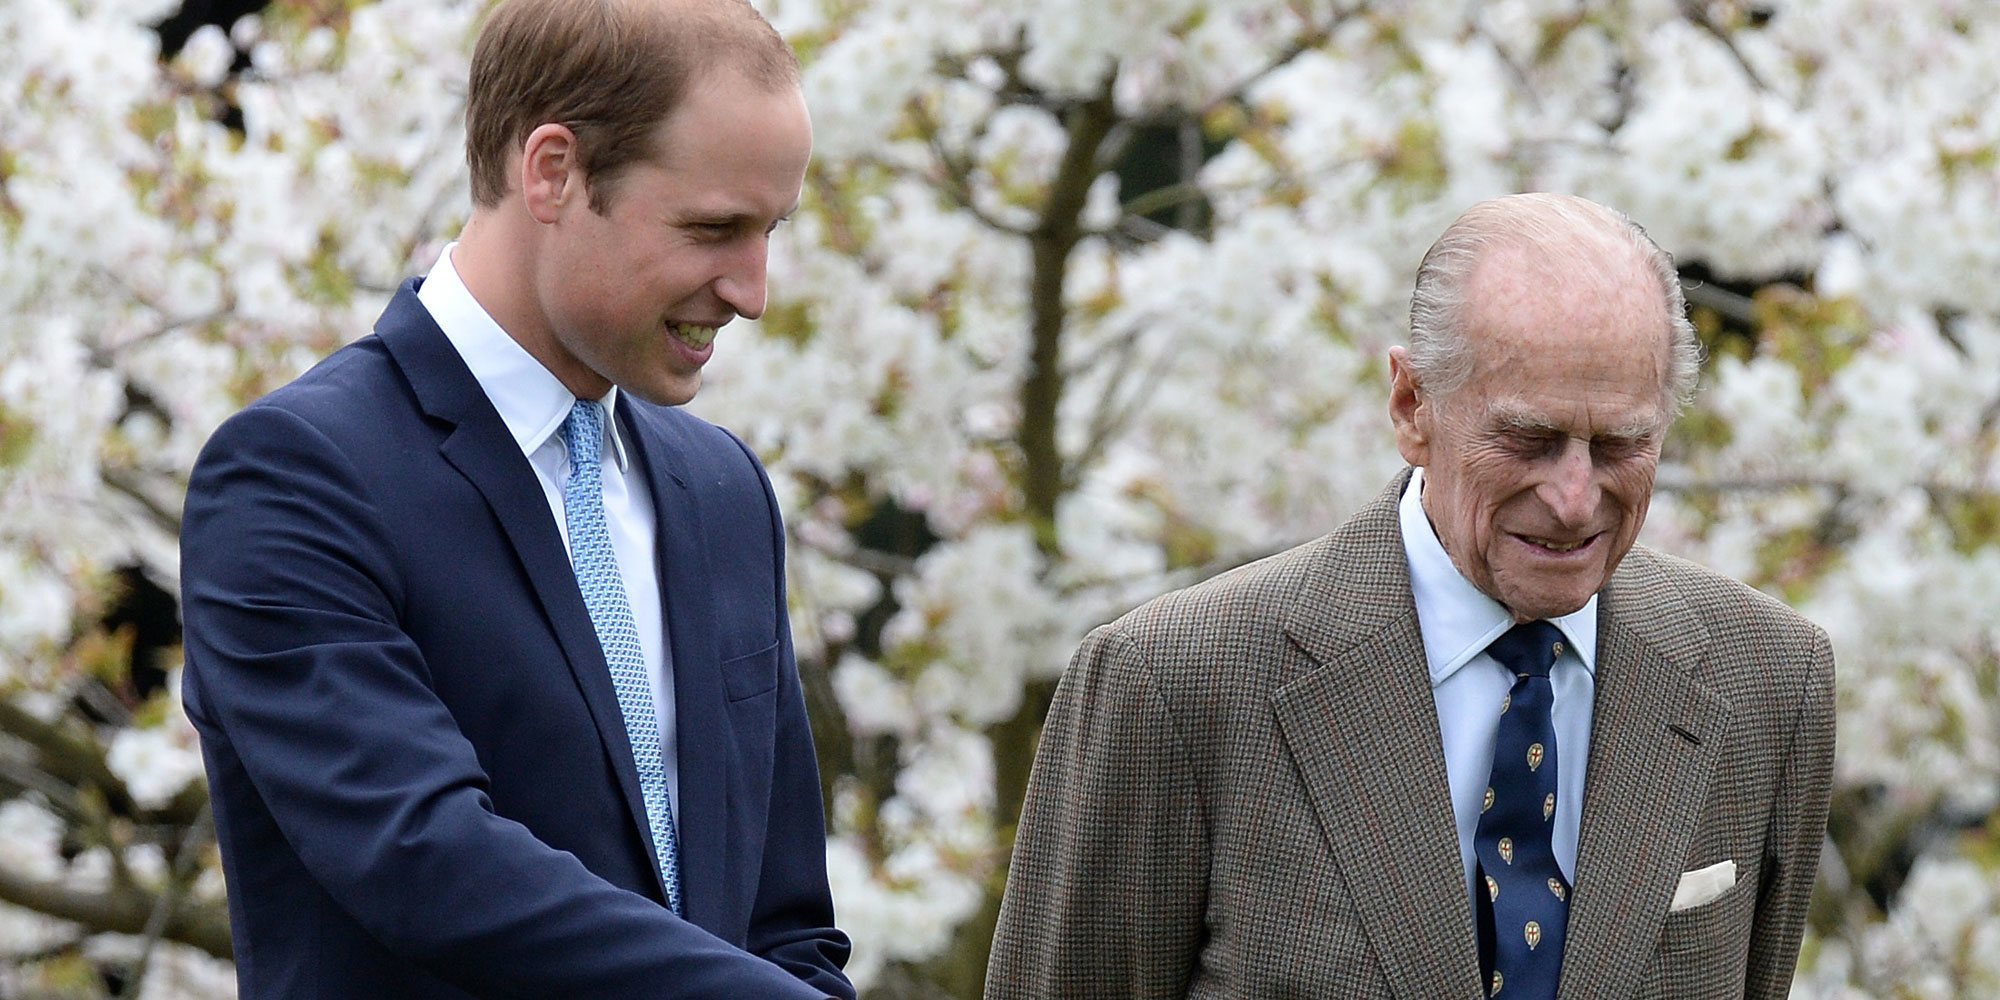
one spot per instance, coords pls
(609, 70)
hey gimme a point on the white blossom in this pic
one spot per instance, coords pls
(1223, 387)
(154, 762)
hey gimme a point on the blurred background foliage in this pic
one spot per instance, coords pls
(1084, 302)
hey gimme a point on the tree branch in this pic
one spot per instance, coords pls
(1187, 215)
(79, 763)
(1089, 124)
(168, 904)
(126, 484)
(102, 355)
(874, 561)
(1162, 198)
(1311, 38)
(1681, 481)
(1691, 9)
(1050, 245)
(1515, 71)
(1112, 416)
(19, 777)
(957, 172)
(1738, 309)
(125, 910)
(62, 756)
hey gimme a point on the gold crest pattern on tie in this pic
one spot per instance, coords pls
(1521, 929)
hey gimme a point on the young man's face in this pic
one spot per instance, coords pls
(634, 296)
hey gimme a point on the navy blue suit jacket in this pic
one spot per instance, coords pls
(421, 780)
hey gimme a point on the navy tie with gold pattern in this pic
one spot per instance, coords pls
(1523, 897)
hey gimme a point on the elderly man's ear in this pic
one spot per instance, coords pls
(1409, 409)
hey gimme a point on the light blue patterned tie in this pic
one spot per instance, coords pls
(596, 565)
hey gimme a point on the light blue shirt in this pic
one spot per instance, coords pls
(533, 403)
(1458, 621)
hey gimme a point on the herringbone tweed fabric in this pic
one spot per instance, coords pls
(1240, 792)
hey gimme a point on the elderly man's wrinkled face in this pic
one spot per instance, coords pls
(1539, 469)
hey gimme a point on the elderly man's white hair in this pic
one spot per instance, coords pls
(1560, 230)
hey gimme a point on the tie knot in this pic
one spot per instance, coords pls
(583, 433)
(1530, 648)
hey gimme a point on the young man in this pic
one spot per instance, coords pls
(486, 642)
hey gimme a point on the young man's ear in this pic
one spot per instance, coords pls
(551, 174)
(1409, 409)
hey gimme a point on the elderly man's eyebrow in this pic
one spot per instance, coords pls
(1639, 429)
(1512, 420)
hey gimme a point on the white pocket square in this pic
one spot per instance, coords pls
(1703, 885)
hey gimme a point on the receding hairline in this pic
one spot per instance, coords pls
(714, 73)
(611, 70)
(730, 28)
(1564, 240)
(1548, 232)
(1603, 263)
(737, 27)
(1518, 267)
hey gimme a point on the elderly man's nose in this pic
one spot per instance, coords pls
(1571, 491)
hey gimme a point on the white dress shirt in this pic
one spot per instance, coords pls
(533, 404)
(1458, 621)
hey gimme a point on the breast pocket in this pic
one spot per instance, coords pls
(751, 674)
(1704, 952)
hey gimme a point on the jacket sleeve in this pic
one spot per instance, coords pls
(296, 661)
(791, 924)
(1109, 880)
(1799, 830)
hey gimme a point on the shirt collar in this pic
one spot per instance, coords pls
(531, 401)
(1457, 620)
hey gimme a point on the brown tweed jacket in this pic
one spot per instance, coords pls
(1240, 792)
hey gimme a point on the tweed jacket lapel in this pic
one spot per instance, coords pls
(1654, 739)
(1363, 731)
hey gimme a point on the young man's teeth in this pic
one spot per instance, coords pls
(694, 336)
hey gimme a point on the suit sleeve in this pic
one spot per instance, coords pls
(1799, 831)
(1109, 880)
(291, 601)
(791, 924)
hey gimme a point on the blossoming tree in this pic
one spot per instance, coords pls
(1085, 301)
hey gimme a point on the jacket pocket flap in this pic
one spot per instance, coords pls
(751, 674)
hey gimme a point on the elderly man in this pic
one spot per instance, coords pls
(1474, 743)
(486, 642)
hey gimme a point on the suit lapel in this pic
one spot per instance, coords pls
(1363, 730)
(702, 731)
(1654, 740)
(480, 448)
